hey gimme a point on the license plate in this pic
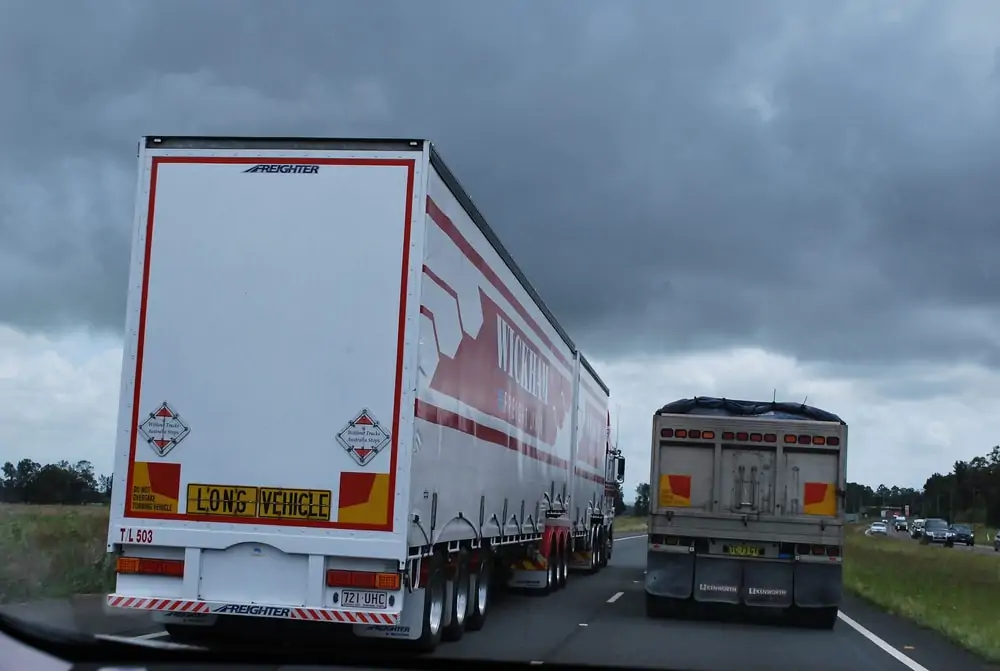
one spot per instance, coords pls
(744, 550)
(352, 598)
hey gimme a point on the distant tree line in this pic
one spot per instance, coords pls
(969, 493)
(58, 483)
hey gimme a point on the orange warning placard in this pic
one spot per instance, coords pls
(155, 487)
(364, 498)
(819, 498)
(675, 491)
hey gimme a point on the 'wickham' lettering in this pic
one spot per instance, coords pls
(522, 363)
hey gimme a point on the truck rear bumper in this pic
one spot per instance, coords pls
(754, 582)
(188, 611)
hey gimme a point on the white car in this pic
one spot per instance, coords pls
(878, 528)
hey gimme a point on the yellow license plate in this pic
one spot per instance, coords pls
(294, 504)
(222, 500)
(744, 551)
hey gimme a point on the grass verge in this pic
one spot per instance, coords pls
(53, 552)
(950, 591)
(630, 524)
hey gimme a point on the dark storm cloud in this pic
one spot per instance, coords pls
(810, 177)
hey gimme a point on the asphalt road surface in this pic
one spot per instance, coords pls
(600, 620)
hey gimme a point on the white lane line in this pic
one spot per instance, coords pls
(617, 596)
(885, 647)
(628, 538)
(155, 634)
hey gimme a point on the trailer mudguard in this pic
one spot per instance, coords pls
(818, 585)
(717, 579)
(768, 583)
(669, 574)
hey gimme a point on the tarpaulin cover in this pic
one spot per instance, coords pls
(727, 407)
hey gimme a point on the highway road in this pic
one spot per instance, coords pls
(600, 620)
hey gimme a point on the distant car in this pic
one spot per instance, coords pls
(899, 524)
(917, 529)
(878, 528)
(935, 531)
(959, 533)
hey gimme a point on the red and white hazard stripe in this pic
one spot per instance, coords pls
(206, 608)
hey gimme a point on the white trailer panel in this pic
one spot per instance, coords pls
(495, 386)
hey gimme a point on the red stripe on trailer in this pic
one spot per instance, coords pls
(156, 161)
(449, 229)
(452, 420)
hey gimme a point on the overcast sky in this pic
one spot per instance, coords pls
(715, 198)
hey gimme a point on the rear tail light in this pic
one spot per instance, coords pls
(742, 435)
(681, 433)
(708, 435)
(756, 438)
(833, 440)
(666, 433)
(694, 433)
(145, 566)
(819, 440)
(362, 579)
(770, 437)
(728, 435)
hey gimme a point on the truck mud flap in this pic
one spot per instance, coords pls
(818, 585)
(767, 583)
(718, 580)
(669, 574)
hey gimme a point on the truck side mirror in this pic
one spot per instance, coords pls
(620, 475)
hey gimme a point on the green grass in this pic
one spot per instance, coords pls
(625, 524)
(952, 591)
(53, 552)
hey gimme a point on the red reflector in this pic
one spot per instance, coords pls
(805, 439)
(742, 435)
(728, 435)
(833, 440)
(681, 433)
(694, 433)
(818, 550)
(666, 433)
(789, 438)
(145, 566)
(770, 438)
(833, 551)
(756, 438)
(362, 579)
(819, 440)
(708, 435)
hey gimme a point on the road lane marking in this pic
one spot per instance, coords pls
(628, 538)
(885, 647)
(155, 634)
(617, 596)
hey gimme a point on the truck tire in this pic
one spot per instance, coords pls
(433, 616)
(661, 606)
(563, 567)
(482, 595)
(604, 547)
(460, 593)
(817, 618)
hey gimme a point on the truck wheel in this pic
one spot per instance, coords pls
(662, 606)
(482, 592)
(604, 548)
(818, 618)
(594, 566)
(563, 566)
(611, 542)
(460, 590)
(433, 616)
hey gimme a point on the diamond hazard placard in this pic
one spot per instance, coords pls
(363, 437)
(164, 429)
